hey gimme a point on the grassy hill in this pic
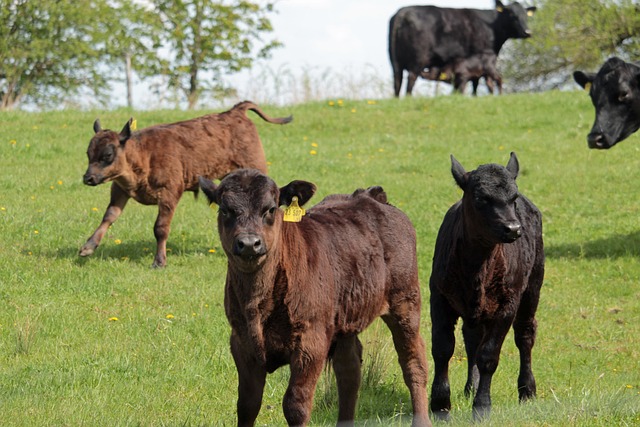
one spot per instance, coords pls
(107, 340)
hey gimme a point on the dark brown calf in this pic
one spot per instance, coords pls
(488, 268)
(298, 293)
(157, 164)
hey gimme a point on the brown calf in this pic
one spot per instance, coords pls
(157, 164)
(299, 293)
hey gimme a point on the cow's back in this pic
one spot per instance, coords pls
(211, 146)
(426, 36)
(369, 248)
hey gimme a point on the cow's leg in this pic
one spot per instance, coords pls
(472, 337)
(411, 81)
(306, 366)
(524, 328)
(347, 364)
(487, 359)
(475, 82)
(162, 227)
(443, 322)
(251, 380)
(404, 323)
(117, 203)
(490, 84)
(397, 81)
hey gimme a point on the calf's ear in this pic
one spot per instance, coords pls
(513, 166)
(125, 133)
(583, 79)
(458, 172)
(96, 126)
(303, 190)
(209, 188)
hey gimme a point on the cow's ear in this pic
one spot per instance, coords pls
(531, 10)
(96, 126)
(125, 133)
(499, 6)
(513, 166)
(209, 188)
(584, 79)
(458, 172)
(303, 190)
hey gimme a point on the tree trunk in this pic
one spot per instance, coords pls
(129, 79)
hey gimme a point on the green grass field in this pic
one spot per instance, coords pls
(109, 341)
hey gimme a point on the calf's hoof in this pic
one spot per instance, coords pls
(86, 250)
(481, 413)
(442, 415)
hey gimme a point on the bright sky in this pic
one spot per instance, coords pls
(348, 36)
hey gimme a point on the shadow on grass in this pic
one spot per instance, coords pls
(142, 252)
(614, 246)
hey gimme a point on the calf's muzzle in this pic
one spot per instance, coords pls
(248, 246)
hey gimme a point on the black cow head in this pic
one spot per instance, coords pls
(105, 154)
(249, 221)
(489, 200)
(512, 20)
(615, 94)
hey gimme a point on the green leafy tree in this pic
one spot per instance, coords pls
(208, 39)
(570, 35)
(131, 39)
(46, 50)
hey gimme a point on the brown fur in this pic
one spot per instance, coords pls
(156, 165)
(298, 293)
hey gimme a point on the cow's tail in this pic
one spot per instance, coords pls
(248, 105)
(393, 54)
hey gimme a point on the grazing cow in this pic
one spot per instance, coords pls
(157, 164)
(463, 70)
(488, 267)
(423, 37)
(299, 293)
(615, 94)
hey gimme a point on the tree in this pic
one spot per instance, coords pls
(45, 50)
(213, 37)
(133, 34)
(570, 35)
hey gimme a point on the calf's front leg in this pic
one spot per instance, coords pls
(116, 205)
(251, 380)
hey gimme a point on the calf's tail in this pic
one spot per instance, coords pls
(248, 105)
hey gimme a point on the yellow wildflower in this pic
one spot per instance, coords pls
(313, 152)
(113, 319)
(117, 241)
(169, 316)
(212, 251)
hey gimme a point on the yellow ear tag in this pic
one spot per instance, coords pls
(499, 9)
(443, 76)
(293, 212)
(134, 124)
(587, 86)
(529, 13)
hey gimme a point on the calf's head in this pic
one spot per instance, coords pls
(615, 94)
(489, 200)
(105, 154)
(249, 221)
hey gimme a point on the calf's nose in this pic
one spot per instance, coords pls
(248, 245)
(512, 230)
(89, 179)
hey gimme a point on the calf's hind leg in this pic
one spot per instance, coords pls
(117, 203)
(404, 324)
(347, 364)
(524, 328)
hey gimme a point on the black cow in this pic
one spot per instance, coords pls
(615, 93)
(488, 267)
(471, 69)
(428, 36)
